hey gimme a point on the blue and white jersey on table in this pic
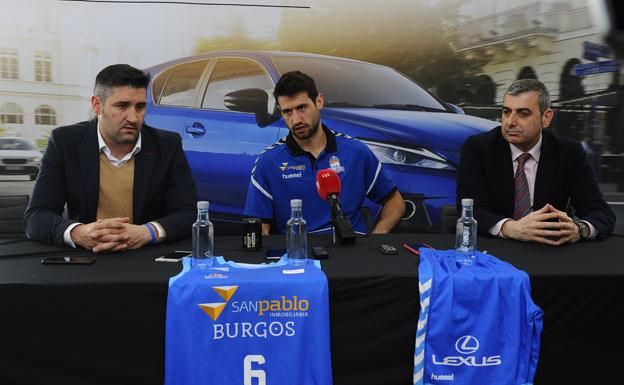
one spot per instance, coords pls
(240, 324)
(477, 325)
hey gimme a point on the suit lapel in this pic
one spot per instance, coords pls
(503, 168)
(143, 166)
(89, 166)
(546, 170)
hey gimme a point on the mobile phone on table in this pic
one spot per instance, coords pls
(319, 252)
(173, 256)
(274, 254)
(77, 260)
(388, 250)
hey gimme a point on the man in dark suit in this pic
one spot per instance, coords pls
(524, 180)
(125, 184)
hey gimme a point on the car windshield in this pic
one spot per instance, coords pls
(347, 84)
(16, 144)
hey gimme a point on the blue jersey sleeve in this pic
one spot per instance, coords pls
(259, 196)
(378, 184)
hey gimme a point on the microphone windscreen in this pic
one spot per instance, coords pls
(327, 182)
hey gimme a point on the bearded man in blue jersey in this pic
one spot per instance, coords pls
(287, 169)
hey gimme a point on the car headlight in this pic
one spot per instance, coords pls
(35, 159)
(417, 156)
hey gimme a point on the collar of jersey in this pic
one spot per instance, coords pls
(281, 262)
(186, 265)
(295, 150)
(221, 261)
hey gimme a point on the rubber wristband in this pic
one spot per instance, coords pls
(152, 234)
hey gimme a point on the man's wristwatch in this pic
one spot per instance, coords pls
(584, 229)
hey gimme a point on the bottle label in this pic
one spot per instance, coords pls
(466, 236)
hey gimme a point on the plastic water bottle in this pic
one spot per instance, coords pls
(466, 234)
(203, 238)
(296, 235)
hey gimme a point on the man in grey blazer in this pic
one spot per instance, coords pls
(125, 184)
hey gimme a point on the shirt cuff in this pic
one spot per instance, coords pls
(592, 230)
(496, 230)
(160, 232)
(66, 235)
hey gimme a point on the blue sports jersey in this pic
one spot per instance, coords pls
(477, 325)
(239, 324)
(284, 172)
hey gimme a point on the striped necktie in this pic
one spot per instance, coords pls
(522, 201)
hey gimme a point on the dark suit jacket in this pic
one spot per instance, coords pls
(164, 189)
(564, 179)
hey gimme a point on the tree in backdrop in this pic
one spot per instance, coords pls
(236, 39)
(408, 35)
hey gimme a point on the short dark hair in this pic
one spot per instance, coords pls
(526, 85)
(294, 82)
(118, 75)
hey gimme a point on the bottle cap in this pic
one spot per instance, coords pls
(203, 204)
(296, 203)
(467, 202)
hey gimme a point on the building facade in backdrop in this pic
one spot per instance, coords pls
(39, 72)
(50, 51)
(547, 40)
(539, 39)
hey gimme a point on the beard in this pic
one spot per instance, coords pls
(126, 136)
(310, 131)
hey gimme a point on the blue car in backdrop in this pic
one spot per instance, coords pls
(221, 104)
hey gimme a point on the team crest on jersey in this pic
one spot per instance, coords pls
(334, 164)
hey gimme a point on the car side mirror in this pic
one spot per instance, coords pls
(252, 100)
(456, 109)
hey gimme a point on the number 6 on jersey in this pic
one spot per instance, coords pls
(249, 373)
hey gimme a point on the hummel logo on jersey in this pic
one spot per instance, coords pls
(293, 175)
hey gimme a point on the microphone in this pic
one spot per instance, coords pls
(328, 187)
